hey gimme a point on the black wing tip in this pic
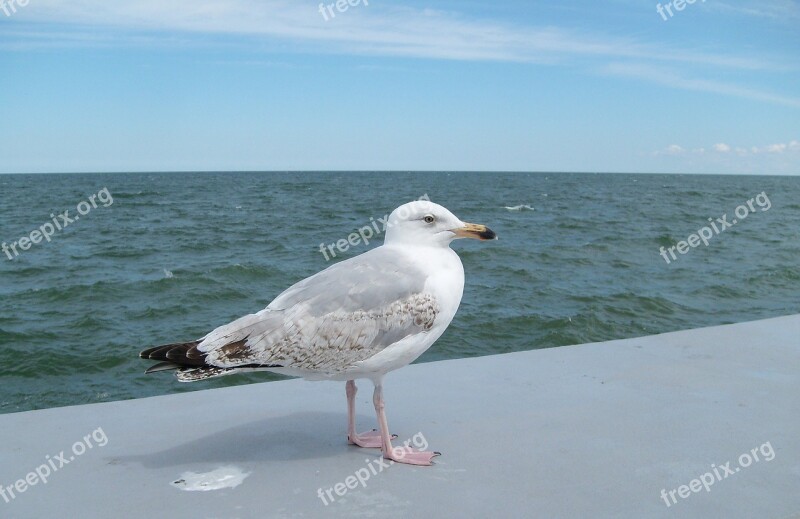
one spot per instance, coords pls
(145, 354)
(162, 366)
(178, 353)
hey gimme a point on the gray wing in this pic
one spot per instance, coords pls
(327, 322)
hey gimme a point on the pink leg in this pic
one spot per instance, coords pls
(370, 439)
(402, 454)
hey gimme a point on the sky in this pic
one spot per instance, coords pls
(505, 85)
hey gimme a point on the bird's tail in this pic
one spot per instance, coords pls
(184, 358)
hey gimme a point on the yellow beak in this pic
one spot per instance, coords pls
(476, 231)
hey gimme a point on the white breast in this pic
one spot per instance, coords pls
(445, 280)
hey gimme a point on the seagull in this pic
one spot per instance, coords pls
(360, 318)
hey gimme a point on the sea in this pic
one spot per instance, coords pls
(104, 265)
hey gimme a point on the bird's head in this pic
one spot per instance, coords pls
(422, 222)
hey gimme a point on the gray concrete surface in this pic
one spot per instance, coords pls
(596, 430)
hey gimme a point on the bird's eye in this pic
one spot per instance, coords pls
(429, 219)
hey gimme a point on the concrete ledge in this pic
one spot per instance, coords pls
(596, 430)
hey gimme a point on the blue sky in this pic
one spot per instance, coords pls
(182, 85)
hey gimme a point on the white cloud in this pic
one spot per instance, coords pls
(672, 149)
(779, 158)
(792, 146)
(783, 10)
(721, 147)
(674, 79)
(385, 29)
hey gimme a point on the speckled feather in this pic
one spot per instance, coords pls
(329, 343)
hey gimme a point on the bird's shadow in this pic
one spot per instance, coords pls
(281, 438)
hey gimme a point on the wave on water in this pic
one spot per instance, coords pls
(524, 207)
